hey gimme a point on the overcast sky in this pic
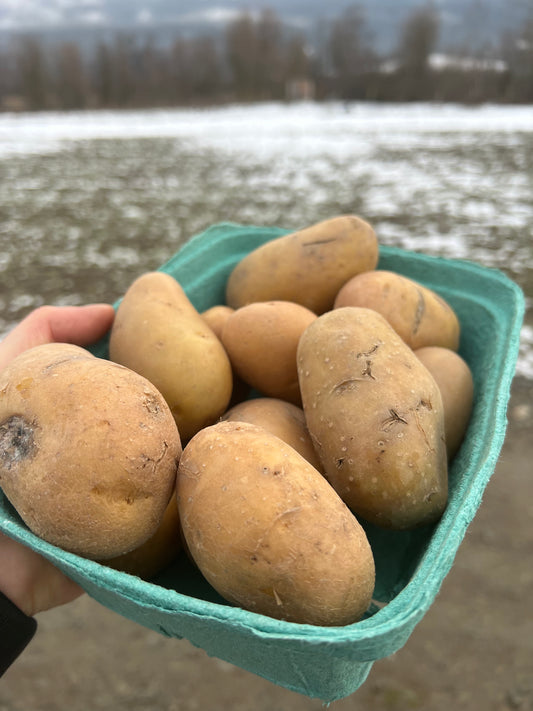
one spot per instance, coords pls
(56, 13)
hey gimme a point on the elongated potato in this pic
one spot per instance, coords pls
(456, 385)
(267, 530)
(261, 341)
(418, 314)
(89, 450)
(158, 333)
(308, 266)
(376, 418)
(281, 418)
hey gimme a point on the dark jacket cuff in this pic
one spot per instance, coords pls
(16, 631)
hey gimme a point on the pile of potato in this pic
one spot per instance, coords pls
(258, 433)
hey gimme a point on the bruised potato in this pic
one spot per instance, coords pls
(376, 418)
(89, 450)
(307, 267)
(158, 333)
(281, 418)
(268, 532)
(418, 314)
(261, 341)
(454, 378)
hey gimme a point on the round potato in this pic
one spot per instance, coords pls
(307, 267)
(376, 418)
(158, 333)
(261, 341)
(417, 314)
(89, 450)
(216, 317)
(267, 530)
(456, 385)
(281, 418)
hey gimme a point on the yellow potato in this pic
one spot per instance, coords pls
(158, 552)
(261, 341)
(216, 317)
(454, 378)
(267, 530)
(376, 418)
(89, 450)
(281, 418)
(158, 333)
(418, 314)
(307, 267)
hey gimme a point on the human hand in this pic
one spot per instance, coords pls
(30, 581)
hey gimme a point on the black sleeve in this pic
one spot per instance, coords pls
(16, 631)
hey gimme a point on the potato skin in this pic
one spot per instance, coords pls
(216, 317)
(158, 552)
(282, 419)
(89, 450)
(454, 378)
(307, 267)
(268, 532)
(261, 341)
(158, 333)
(376, 418)
(418, 314)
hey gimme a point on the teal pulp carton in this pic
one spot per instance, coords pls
(328, 663)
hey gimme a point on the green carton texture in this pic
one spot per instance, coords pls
(328, 663)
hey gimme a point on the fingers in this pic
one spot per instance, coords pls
(80, 325)
(30, 581)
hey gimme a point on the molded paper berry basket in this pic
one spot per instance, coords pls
(329, 662)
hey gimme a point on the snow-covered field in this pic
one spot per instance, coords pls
(89, 199)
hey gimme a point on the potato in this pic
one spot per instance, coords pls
(261, 341)
(307, 267)
(158, 333)
(456, 385)
(89, 450)
(280, 418)
(376, 418)
(216, 317)
(418, 314)
(158, 552)
(267, 530)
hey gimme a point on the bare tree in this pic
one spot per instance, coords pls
(69, 77)
(32, 73)
(241, 52)
(350, 51)
(418, 40)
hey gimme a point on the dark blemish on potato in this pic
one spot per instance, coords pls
(368, 370)
(419, 313)
(394, 419)
(17, 441)
(369, 352)
(253, 558)
(319, 242)
(340, 462)
(345, 385)
(425, 404)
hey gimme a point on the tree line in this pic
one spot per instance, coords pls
(258, 58)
